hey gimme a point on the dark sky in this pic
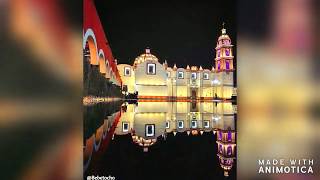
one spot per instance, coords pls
(183, 32)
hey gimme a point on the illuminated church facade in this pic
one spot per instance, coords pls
(151, 79)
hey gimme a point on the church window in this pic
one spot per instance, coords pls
(227, 52)
(193, 124)
(229, 151)
(229, 136)
(205, 76)
(167, 125)
(194, 75)
(227, 65)
(125, 127)
(180, 75)
(150, 130)
(180, 124)
(206, 124)
(151, 68)
(127, 71)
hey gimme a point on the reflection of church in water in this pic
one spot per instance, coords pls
(151, 79)
(148, 121)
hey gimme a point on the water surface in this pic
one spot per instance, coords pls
(160, 140)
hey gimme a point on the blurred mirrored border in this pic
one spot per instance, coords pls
(41, 89)
(278, 85)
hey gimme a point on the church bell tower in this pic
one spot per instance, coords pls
(224, 56)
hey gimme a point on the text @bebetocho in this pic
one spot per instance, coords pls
(101, 177)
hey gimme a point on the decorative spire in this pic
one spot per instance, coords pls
(200, 68)
(223, 30)
(188, 67)
(212, 68)
(174, 133)
(165, 64)
(174, 66)
(148, 50)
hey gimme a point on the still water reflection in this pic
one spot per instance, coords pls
(141, 140)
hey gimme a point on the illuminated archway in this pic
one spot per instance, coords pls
(102, 62)
(111, 76)
(88, 151)
(98, 138)
(108, 70)
(90, 39)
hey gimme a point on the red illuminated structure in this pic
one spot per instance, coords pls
(95, 41)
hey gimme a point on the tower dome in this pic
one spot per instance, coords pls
(145, 57)
(224, 39)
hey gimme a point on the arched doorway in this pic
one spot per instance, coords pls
(102, 62)
(90, 46)
(193, 93)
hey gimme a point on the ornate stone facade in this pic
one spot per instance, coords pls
(151, 79)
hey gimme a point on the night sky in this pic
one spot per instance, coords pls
(182, 32)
